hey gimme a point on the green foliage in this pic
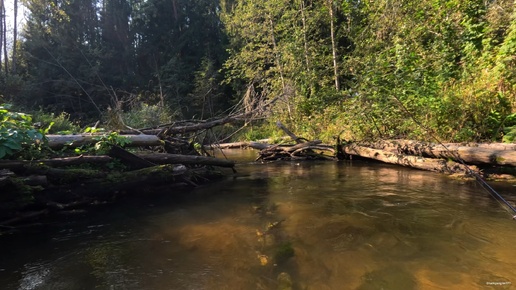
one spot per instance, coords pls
(144, 116)
(17, 135)
(81, 56)
(407, 69)
(510, 135)
(56, 124)
(103, 142)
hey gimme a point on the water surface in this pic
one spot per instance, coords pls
(314, 225)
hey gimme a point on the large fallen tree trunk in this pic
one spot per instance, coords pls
(157, 158)
(431, 164)
(399, 145)
(73, 141)
(473, 153)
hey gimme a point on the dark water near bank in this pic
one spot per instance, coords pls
(326, 225)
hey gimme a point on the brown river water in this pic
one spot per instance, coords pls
(280, 225)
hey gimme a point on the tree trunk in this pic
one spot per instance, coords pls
(73, 141)
(436, 165)
(6, 59)
(21, 165)
(15, 38)
(472, 153)
(165, 158)
(333, 45)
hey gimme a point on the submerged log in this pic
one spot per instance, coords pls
(430, 164)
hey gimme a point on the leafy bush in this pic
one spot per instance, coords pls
(510, 134)
(143, 116)
(17, 133)
(56, 124)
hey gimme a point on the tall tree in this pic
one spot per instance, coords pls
(15, 37)
(333, 44)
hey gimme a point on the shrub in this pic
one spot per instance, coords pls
(17, 134)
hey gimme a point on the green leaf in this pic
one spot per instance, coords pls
(11, 144)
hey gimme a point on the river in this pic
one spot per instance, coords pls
(279, 225)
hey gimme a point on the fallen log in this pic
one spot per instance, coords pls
(74, 141)
(20, 165)
(299, 151)
(289, 133)
(129, 159)
(472, 153)
(401, 144)
(166, 158)
(430, 164)
(243, 144)
(260, 146)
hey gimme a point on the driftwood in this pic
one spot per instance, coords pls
(299, 151)
(243, 144)
(73, 141)
(431, 164)
(302, 150)
(287, 131)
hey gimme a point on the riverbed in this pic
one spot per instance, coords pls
(297, 225)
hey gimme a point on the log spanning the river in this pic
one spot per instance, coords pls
(430, 164)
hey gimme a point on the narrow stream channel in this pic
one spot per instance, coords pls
(281, 225)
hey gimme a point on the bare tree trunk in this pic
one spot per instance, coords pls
(4, 24)
(2, 21)
(15, 37)
(276, 54)
(333, 47)
(303, 19)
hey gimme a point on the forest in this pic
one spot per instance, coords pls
(331, 68)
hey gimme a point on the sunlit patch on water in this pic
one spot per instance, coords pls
(288, 225)
(34, 275)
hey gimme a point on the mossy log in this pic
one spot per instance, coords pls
(126, 181)
(430, 164)
(21, 165)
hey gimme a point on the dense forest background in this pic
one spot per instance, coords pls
(361, 69)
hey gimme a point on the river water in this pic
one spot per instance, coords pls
(280, 225)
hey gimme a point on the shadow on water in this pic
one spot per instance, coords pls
(280, 226)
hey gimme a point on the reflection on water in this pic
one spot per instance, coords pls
(281, 226)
